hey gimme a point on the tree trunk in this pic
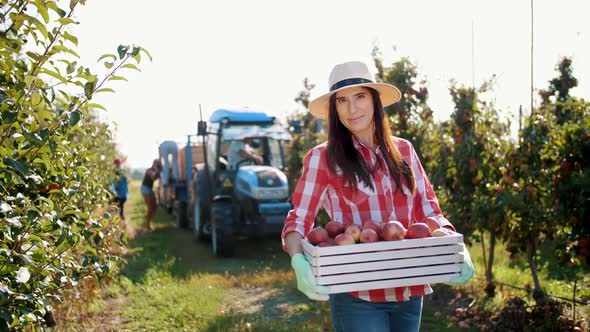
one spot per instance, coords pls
(538, 293)
(491, 285)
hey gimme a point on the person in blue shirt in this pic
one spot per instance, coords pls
(120, 187)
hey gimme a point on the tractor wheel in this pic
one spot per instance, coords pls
(222, 239)
(200, 209)
(201, 226)
(181, 217)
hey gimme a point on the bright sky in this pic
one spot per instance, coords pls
(256, 53)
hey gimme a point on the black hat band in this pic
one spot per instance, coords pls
(350, 81)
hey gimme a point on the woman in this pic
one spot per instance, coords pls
(147, 190)
(362, 173)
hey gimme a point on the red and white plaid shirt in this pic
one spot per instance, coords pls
(318, 186)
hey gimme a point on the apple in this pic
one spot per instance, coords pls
(393, 230)
(431, 223)
(334, 228)
(343, 239)
(374, 226)
(354, 230)
(368, 235)
(317, 235)
(441, 232)
(418, 231)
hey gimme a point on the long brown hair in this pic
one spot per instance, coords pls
(342, 153)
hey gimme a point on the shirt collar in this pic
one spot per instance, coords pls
(372, 158)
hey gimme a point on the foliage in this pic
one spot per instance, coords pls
(309, 134)
(548, 169)
(411, 118)
(56, 162)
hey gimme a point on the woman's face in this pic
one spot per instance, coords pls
(355, 110)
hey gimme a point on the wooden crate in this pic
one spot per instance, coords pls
(386, 264)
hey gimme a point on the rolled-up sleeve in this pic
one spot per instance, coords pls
(308, 195)
(425, 201)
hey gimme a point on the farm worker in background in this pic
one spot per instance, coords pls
(362, 173)
(240, 150)
(120, 187)
(151, 175)
(169, 149)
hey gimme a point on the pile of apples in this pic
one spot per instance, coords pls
(393, 230)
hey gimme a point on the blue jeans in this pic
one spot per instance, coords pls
(351, 314)
(145, 190)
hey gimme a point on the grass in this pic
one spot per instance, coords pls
(173, 283)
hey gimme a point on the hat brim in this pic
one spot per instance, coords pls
(388, 94)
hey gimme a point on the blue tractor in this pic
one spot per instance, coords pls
(233, 194)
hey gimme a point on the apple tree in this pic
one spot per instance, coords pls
(55, 162)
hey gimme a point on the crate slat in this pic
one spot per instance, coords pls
(387, 264)
(384, 255)
(381, 245)
(402, 282)
(388, 274)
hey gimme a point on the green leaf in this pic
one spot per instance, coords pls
(42, 10)
(117, 78)
(17, 165)
(35, 99)
(95, 105)
(40, 26)
(108, 65)
(105, 90)
(70, 37)
(66, 20)
(89, 88)
(33, 55)
(74, 118)
(122, 50)
(108, 55)
(146, 53)
(131, 66)
(54, 75)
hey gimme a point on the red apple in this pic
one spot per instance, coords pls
(368, 235)
(317, 235)
(393, 230)
(418, 231)
(344, 238)
(374, 226)
(431, 223)
(354, 230)
(334, 228)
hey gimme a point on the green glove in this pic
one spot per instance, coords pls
(467, 269)
(305, 280)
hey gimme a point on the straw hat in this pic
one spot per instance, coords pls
(351, 74)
